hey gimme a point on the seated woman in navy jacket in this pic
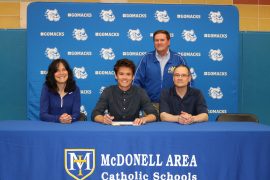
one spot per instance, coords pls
(60, 99)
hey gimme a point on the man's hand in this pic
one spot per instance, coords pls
(107, 119)
(139, 121)
(185, 118)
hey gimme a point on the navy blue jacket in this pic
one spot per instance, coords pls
(52, 106)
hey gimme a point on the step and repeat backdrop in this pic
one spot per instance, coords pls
(93, 36)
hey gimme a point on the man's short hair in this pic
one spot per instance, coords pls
(162, 32)
(185, 66)
(124, 63)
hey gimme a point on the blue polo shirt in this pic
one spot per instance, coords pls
(193, 102)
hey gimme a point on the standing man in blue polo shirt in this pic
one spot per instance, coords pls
(155, 69)
(182, 103)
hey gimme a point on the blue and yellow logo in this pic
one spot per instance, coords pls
(80, 163)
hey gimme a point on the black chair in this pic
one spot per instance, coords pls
(82, 117)
(231, 117)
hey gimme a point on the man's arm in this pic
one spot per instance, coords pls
(164, 116)
(184, 118)
(105, 119)
(146, 119)
(200, 117)
(98, 112)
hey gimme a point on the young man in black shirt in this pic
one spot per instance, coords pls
(124, 102)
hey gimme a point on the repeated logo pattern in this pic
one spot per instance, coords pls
(107, 53)
(83, 110)
(215, 55)
(101, 89)
(93, 36)
(193, 73)
(52, 15)
(162, 16)
(215, 93)
(80, 73)
(135, 34)
(215, 17)
(107, 15)
(80, 34)
(189, 35)
(52, 53)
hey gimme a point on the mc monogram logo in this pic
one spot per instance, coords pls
(80, 163)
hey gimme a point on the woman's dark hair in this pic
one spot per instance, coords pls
(50, 80)
(124, 63)
(162, 32)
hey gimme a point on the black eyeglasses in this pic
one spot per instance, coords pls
(181, 75)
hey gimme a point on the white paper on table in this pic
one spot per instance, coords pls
(122, 123)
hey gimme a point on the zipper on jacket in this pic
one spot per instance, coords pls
(62, 100)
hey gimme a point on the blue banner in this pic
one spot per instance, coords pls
(92, 36)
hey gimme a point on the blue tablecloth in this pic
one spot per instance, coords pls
(35, 150)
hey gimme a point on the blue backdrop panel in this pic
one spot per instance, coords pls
(92, 36)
